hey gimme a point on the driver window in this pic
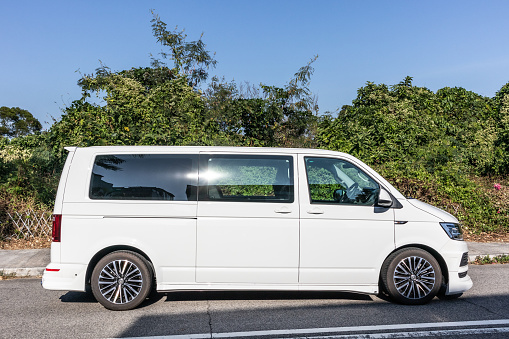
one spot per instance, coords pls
(335, 181)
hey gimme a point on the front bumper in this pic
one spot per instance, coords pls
(458, 285)
(458, 279)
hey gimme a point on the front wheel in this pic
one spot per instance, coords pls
(411, 276)
(121, 280)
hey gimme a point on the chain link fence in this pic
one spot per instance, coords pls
(30, 224)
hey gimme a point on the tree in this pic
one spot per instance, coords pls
(161, 105)
(165, 111)
(15, 122)
(154, 105)
(189, 58)
(268, 115)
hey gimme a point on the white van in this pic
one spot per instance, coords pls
(134, 218)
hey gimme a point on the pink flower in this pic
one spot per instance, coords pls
(497, 187)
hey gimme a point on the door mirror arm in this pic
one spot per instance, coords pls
(387, 200)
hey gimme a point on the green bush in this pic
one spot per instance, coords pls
(432, 146)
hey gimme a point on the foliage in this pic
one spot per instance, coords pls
(159, 106)
(189, 58)
(139, 110)
(501, 142)
(405, 123)
(7, 276)
(16, 122)
(284, 117)
(322, 184)
(33, 213)
(29, 168)
(485, 260)
(430, 145)
(29, 174)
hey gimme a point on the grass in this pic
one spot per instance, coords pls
(5, 276)
(486, 260)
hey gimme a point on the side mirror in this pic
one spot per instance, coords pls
(338, 194)
(384, 199)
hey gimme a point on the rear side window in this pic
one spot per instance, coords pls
(256, 178)
(144, 177)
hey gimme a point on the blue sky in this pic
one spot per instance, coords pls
(46, 45)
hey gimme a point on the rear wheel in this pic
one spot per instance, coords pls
(121, 280)
(411, 276)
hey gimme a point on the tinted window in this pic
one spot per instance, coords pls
(246, 178)
(144, 177)
(338, 181)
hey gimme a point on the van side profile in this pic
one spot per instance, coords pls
(130, 219)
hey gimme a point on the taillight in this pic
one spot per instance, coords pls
(57, 226)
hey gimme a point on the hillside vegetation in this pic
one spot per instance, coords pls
(449, 148)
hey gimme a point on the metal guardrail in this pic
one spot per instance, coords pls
(29, 224)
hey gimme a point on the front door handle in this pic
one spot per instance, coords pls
(315, 210)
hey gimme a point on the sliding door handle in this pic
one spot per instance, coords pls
(315, 210)
(283, 210)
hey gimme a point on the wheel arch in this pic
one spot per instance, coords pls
(105, 251)
(430, 250)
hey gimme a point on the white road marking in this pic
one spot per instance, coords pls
(311, 331)
(441, 333)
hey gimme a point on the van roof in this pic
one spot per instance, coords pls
(193, 149)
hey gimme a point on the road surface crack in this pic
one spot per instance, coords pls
(210, 318)
(483, 307)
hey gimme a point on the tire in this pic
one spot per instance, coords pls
(121, 280)
(411, 276)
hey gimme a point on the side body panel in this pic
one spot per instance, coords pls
(164, 230)
(248, 242)
(342, 245)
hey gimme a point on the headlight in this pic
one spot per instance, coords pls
(453, 230)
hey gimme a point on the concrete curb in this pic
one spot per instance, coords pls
(24, 263)
(31, 272)
(477, 249)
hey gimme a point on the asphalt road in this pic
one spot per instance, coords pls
(29, 311)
